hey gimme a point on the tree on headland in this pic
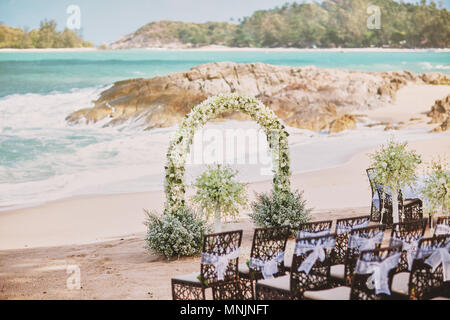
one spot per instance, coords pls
(45, 37)
(330, 23)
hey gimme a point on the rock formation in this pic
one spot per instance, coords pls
(304, 97)
(346, 122)
(445, 126)
(440, 110)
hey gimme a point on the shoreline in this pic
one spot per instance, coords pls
(93, 219)
(225, 49)
(305, 148)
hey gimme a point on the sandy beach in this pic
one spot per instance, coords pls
(103, 236)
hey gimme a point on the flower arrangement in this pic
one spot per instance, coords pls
(176, 235)
(275, 209)
(436, 189)
(395, 167)
(219, 194)
(211, 108)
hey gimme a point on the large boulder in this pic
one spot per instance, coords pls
(346, 122)
(445, 126)
(440, 110)
(436, 78)
(304, 97)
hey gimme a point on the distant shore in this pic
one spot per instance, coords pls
(224, 48)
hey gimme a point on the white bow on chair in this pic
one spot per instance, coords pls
(268, 267)
(220, 262)
(307, 234)
(410, 248)
(318, 252)
(442, 229)
(379, 271)
(438, 257)
(345, 229)
(361, 243)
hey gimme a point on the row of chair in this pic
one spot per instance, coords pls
(324, 265)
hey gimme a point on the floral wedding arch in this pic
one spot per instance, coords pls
(207, 110)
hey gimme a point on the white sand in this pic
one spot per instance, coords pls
(99, 218)
(412, 102)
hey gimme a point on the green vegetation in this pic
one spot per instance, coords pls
(44, 37)
(280, 209)
(338, 23)
(395, 167)
(176, 235)
(219, 194)
(437, 187)
(220, 33)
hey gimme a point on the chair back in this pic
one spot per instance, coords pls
(430, 273)
(311, 263)
(373, 274)
(371, 175)
(442, 226)
(220, 257)
(360, 239)
(407, 235)
(317, 228)
(375, 213)
(343, 228)
(267, 253)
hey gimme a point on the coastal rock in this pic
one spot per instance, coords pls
(304, 97)
(346, 122)
(440, 110)
(436, 78)
(445, 126)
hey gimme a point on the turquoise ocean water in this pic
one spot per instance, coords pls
(42, 158)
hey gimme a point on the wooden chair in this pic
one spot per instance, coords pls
(266, 258)
(359, 239)
(363, 285)
(309, 229)
(310, 270)
(442, 226)
(375, 213)
(407, 235)
(343, 229)
(409, 209)
(426, 279)
(219, 265)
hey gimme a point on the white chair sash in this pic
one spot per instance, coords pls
(410, 248)
(361, 243)
(268, 267)
(442, 229)
(220, 261)
(317, 252)
(307, 234)
(438, 257)
(379, 271)
(345, 229)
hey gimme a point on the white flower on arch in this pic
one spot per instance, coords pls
(208, 110)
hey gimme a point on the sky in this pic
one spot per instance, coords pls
(104, 21)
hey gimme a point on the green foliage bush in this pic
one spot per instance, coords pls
(217, 189)
(436, 190)
(45, 37)
(176, 235)
(280, 209)
(327, 24)
(394, 165)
